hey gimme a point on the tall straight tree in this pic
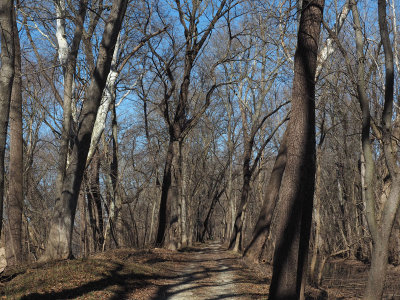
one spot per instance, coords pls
(261, 230)
(15, 187)
(297, 191)
(6, 81)
(59, 242)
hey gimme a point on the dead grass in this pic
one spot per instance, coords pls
(114, 274)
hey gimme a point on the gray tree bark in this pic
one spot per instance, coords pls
(380, 230)
(15, 187)
(6, 80)
(68, 58)
(59, 243)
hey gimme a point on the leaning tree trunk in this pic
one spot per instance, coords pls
(296, 199)
(6, 81)
(261, 231)
(15, 187)
(59, 243)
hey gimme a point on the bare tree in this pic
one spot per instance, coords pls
(257, 106)
(297, 191)
(261, 230)
(177, 116)
(59, 243)
(380, 226)
(7, 71)
(256, 247)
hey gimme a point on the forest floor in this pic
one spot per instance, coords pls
(205, 271)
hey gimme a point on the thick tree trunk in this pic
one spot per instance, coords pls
(376, 276)
(15, 187)
(168, 226)
(59, 243)
(297, 191)
(380, 251)
(107, 100)
(261, 231)
(6, 81)
(68, 58)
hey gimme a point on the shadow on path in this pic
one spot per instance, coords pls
(207, 273)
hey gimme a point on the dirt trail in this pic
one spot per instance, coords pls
(204, 271)
(210, 273)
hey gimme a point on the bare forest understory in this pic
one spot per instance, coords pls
(204, 271)
(199, 149)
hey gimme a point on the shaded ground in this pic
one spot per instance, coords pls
(346, 279)
(208, 272)
(201, 272)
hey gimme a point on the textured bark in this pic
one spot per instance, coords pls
(316, 250)
(237, 234)
(381, 228)
(106, 100)
(248, 169)
(328, 49)
(83, 224)
(6, 81)
(168, 231)
(296, 199)
(114, 224)
(59, 243)
(68, 58)
(261, 231)
(94, 202)
(15, 187)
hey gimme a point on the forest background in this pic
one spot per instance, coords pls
(181, 108)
